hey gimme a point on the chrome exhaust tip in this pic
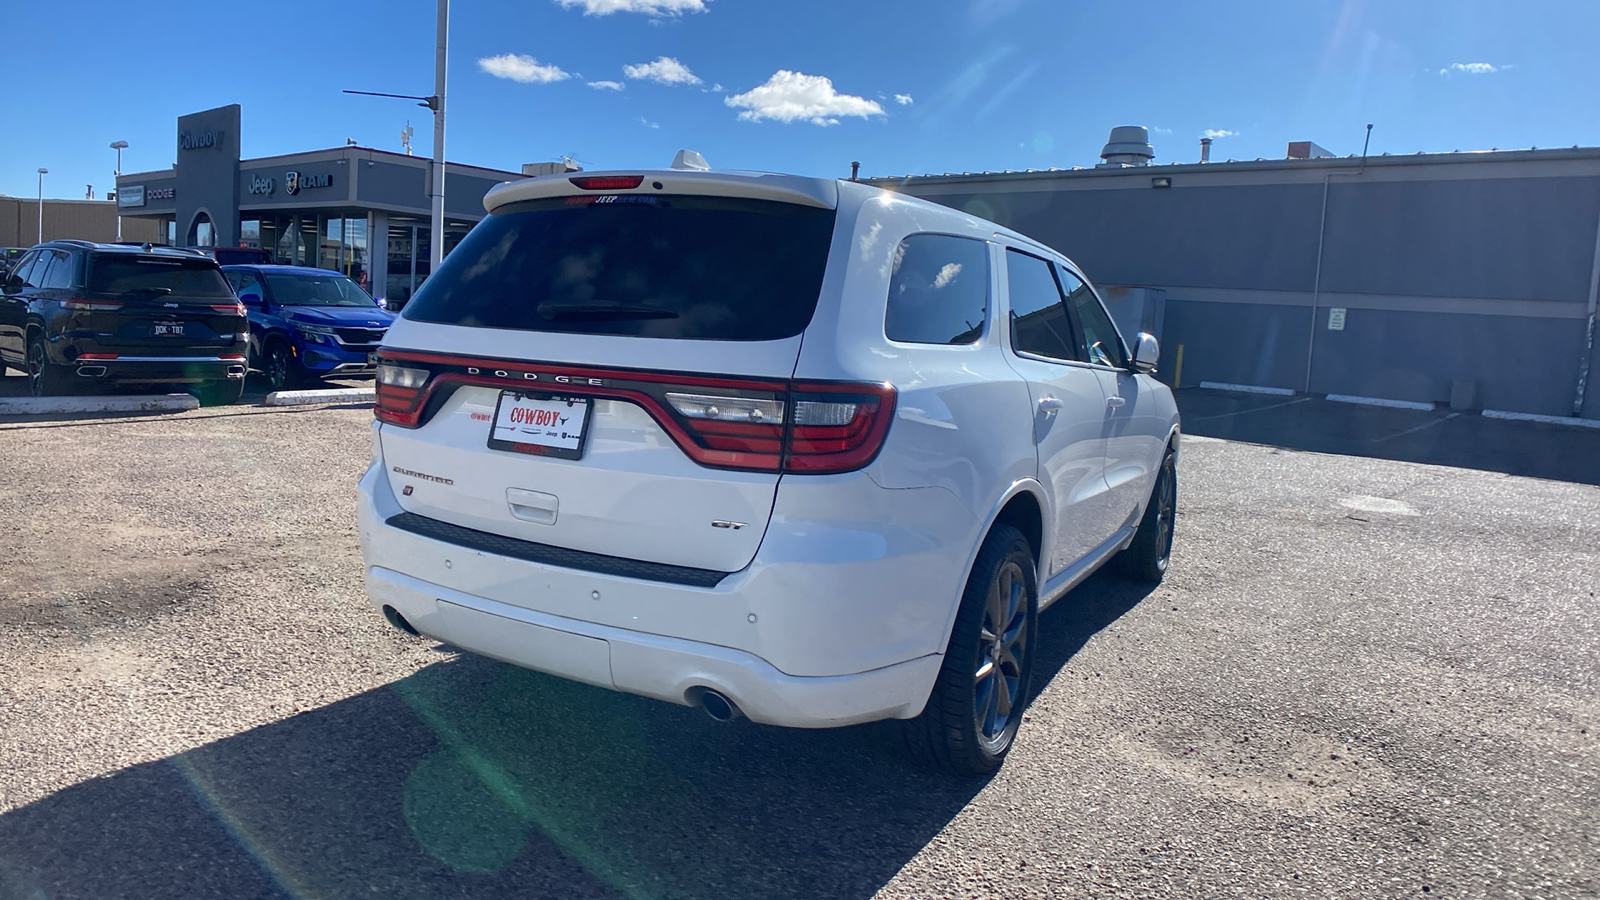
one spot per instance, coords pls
(91, 371)
(718, 706)
(398, 621)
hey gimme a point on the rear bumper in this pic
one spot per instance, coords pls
(164, 369)
(664, 668)
(835, 621)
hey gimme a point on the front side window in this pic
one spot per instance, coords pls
(321, 289)
(246, 283)
(1039, 324)
(939, 292)
(1097, 339)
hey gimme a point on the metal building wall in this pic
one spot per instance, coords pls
(86, 220)
(1475, 268)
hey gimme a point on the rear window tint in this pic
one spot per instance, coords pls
(939, 290)
(659, 266)
(182, 277)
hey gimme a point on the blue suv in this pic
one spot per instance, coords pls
(308, 324)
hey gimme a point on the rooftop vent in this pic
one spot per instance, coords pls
(1129, 146)
(1307, 150)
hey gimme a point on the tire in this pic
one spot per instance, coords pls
(1146, 559)
(45, 379)
(219, 393)
(279, 367)
(976, 706)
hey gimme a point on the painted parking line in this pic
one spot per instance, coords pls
(1256, 410)
(1415, 428)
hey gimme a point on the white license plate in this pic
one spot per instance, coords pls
(542, 424)
(169, 329)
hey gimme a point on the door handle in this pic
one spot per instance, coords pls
(1115, 402)
(1049, 404)
(533, 506)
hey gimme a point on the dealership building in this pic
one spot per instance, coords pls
(353, 209)
(1467, 279)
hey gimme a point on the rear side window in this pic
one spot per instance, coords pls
(31, 270)
(939, 291)
(119, 275)
(62, 268)
(1039, 325)
(659, 266)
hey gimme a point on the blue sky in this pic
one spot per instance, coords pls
(981, 84)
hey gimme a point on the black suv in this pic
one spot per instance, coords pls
(75, 314)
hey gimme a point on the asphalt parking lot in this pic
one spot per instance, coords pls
(1364, 677)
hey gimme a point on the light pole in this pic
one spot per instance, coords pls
(119, 146)
(42, 173)
(435, 103)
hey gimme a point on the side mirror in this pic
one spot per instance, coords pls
(1146, 353)
(250, 299)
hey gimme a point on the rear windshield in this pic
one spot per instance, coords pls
(157, 275)
(660, 266)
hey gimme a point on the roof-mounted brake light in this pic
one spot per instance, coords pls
(607, 182)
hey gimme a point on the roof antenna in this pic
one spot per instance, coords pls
(690, 161)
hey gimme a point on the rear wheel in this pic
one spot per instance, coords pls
(976, 706)
(219, 393)
(1147, 557)
(45, 379)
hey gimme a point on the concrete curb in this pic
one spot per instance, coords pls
(1247, 388)
(309, 398)
(48, 406)
(1535, 417)
(1381, 401)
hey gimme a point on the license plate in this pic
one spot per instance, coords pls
(542, 424)
(168, 329)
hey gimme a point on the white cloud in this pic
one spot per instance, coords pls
(794, 96)
(665, 70)
(521, 68)
(1217, 134)
(607, 85)
(947, 275)
(1159, 130)
(903, 99)
(1472, 69)
(647, 123)
(647, 7)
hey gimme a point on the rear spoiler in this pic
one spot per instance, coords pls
(817, 192)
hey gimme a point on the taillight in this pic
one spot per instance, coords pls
(92, 305)
(607, 182)
(837, 427)
(726, 423)
(228, 309)
(98, 356)
(400, 394)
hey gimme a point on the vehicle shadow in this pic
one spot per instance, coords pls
(472, 778)
(1436, 437)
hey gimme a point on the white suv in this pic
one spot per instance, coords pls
(806, 451)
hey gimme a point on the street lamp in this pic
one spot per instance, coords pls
(42, 173)
(119, 146)
(435, 103)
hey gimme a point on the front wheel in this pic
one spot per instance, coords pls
(976, 706)
(279, 367)
(1147, 557)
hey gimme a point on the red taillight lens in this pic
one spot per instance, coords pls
(607, 182)
(101, 356)
(228, 309)
(400, 394)
(92, 305)
(837, 427)
(749, 424)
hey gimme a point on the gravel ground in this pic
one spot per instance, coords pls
(1362, 678)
